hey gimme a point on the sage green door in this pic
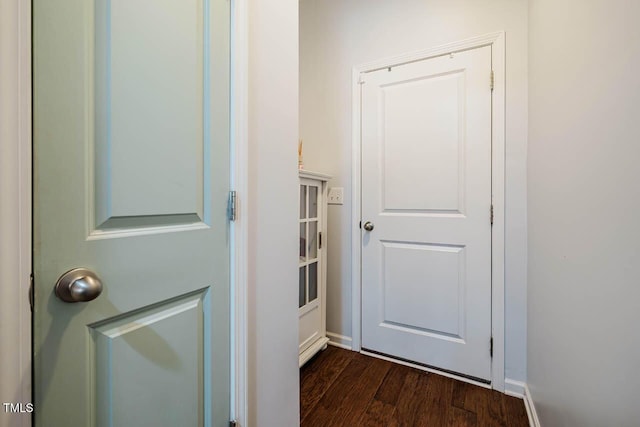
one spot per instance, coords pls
(131, 177)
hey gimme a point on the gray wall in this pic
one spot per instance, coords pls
(336, 35)
(584, 212)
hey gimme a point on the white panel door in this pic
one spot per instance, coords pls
(131, 164)
(426, 189)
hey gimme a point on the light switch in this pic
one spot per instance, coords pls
(336, 196)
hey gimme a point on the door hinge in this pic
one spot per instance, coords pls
(320, 240)
(491, 347)
(232, 207)
(492, 80)
(360, 80)
(31, 291)
(491, 215)
(233, 423)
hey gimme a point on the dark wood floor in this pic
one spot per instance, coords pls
(344, 388)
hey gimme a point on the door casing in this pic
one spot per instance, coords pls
(15, 197)
(497, 42)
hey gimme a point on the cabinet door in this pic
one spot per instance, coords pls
(309, 272)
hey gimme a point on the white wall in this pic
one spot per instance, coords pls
(273, 207)
(15, 209)
(584, 212)
(335, 35)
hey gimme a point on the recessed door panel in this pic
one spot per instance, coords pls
(423, 286)
(424, 132)
(151, 109)
(155, 348)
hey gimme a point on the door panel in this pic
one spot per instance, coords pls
(161, 346)
(426, 187)
(150, 96)
(422, 288)
(131, 164)
(430, 150)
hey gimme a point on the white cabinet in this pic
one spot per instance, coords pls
(312, 274)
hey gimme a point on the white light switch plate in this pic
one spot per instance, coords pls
(336, 196)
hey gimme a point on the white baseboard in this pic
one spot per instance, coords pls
(338, 340)
(520, 390)
(514, 388)
(530, 407)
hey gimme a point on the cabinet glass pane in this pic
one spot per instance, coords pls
(303, 201)
(313, 240)
(313, 281)
(313, 202)
(301, 287)
(303, 241)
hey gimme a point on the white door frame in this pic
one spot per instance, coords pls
(497, 43)
(15, 139)
(15, 202)
(240, 183)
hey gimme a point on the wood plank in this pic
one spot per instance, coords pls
(380, 411)
(319, 374)
(458, 395)
(439, 392)
(494, 410)
(391, 387)
(411, 403)
(330, 403)
(427, 400)
(362, 393)
(515, 412)
(486, 404)
(378, 414)
(461, 418)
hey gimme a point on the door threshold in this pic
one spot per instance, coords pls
(439, 371)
